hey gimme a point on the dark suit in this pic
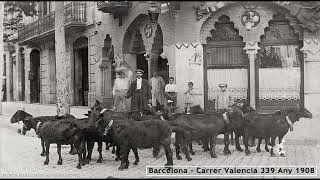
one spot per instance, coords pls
(140, 97)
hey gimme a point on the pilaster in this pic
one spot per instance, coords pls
(18, 80)
(251, 49)
(9, 74)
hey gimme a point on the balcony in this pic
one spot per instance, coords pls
(74, 18)
(118, 8)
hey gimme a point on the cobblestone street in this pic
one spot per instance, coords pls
(20, 155)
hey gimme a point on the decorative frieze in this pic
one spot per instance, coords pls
(311, 48)
(236, 93)
(279, 93)
(179, 46)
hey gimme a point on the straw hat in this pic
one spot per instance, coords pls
(139, 70)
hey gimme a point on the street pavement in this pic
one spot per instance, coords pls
(20, 155)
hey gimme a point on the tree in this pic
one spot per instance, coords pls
(62, 65)
(13, 15)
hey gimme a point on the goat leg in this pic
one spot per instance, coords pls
(238, 147)
(168, 152)
(246, 139)
(213, 146)
(59, 153)
(258, 146)
(191, 150)
(90, 145)
(47, 144)
(155, 151)
(205, 146)
(280, 149)
(71, 149)
(232, 140)
(118, 151)
(252, 141)
(43, 153)
(100, 152)
(267, 141)
(123, 152)
(273, 139)
(136, 155)
(226, 150)
(177, 145)
(185, 149)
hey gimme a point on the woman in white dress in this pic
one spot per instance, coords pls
(120, 89)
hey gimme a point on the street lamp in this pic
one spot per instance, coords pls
(153, 12)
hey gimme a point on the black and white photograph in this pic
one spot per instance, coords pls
(160, 89)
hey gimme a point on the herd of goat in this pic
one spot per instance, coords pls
(153, 129)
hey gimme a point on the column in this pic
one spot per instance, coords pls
(311, 47)
(52, 76)
(92, 55)
(106, 91)
(44, 74)
(251, 49)
(62, 65)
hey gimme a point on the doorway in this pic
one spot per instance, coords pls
(81, 80)
(34, 76)
(142, 64)
(163, 69)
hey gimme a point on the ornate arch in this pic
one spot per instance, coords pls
(133, 34)
(295, 12)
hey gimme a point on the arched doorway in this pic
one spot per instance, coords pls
(133, 48)
(225, 61)
(279, 56)
(81, 74)
(34, 76)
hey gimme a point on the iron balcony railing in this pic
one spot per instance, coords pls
(74, 12)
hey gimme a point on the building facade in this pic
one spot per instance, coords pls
(267, 52)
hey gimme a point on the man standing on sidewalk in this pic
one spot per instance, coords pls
(140, 92)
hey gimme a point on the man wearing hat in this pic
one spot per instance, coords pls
(223, 100)
(140, 92)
